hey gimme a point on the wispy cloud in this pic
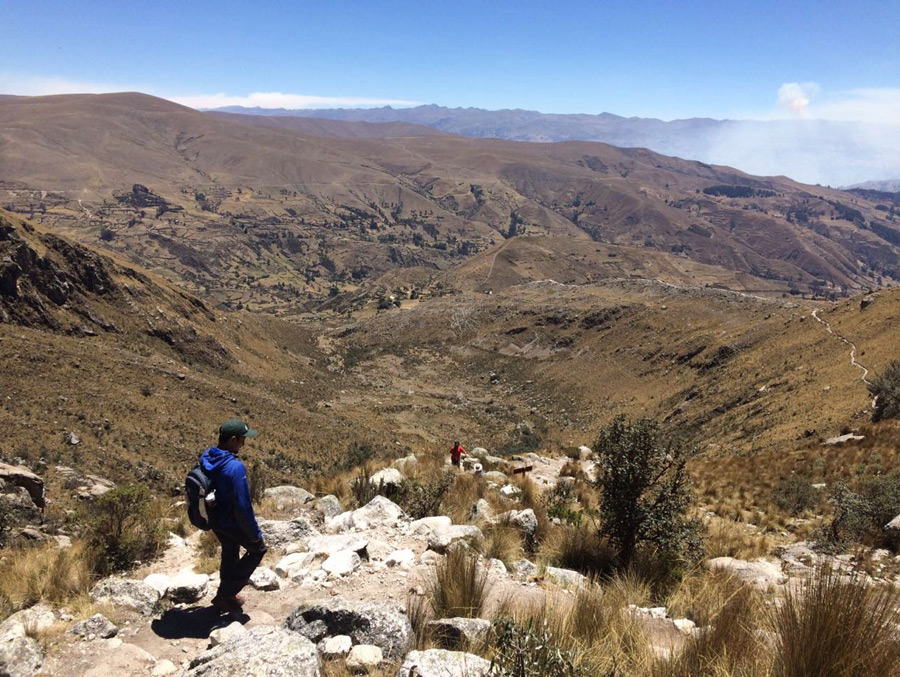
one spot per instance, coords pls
(281, 100)
(35, 85)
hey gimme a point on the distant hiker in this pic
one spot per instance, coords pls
(456, 453)
(232, 520)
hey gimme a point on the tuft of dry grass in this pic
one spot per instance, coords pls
(207, 558)
(837, 625)
(462, 496)
(49, 574)
(502, 541)
(580, 548)
(458, 586)
(729, 538)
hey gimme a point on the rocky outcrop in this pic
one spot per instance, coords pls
(17, 476)
(288, 496)
(278, 533)
(127, 593)
(383, 624)
(97, 625)
(442, 663)
(760, 572)
(329, 506)
(263, 651)
(379, 512)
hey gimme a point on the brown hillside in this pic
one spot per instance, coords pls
(270, 218)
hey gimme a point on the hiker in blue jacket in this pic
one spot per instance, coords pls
(233, 520)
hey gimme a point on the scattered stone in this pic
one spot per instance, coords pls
(32, 534)
(443, 663)
(383, 624)
(496, 568)
(264, 579)
(429, 557)
(442, 538)
(760, 572)
(277, 533)
(510, 490)
(842, 439)
(288, 496)
(229, 632)
(364, 658)
(388, 477)
(263, 651)
(72, 438)
(685, 625)
(97, 625)
(406, 464)
(565, 578)
(458, 633)
(63, 542)
(187, 587)
(329, 506)
(341, 564)
(127, 593)
(175, 541)
(584, 452)
(401, 558)
(336, 647)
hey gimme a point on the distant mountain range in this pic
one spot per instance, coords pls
(811, 151)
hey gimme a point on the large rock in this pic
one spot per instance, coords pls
(426, 524)
(364, 658)
(329, 506)
(442, 538)
(383, 624)
(341, 564)
(18, 476)
(404, 558)
(336, 647)
(264, 579)
(481, 511)
(334, 543)
(278, 533)
(20, 657)
(231, 632)
(442, 663)
(459, 633)
(760, 572)
(524, 520)
(97, 625)
(263, 651)
(288, 496)
(405, 464)
(496, 477)
(128, 593)
(159, 582)
(187, 587)
(387, 477)
(565, 578)
(297, 565)
(379, 512)
(38, 618)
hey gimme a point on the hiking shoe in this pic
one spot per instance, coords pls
(228, 605)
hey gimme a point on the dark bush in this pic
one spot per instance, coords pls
(885, 388)
(794, 494)
(860, 515)
(645, 491)
(121, 528)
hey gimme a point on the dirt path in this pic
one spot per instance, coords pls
(865, 372)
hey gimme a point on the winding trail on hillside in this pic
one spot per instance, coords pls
(865, 372)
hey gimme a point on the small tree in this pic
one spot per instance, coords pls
(886, 390)
(645, 490)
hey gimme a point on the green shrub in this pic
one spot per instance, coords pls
(582, 549)
(885, 388)
(794, 494)
(422, 498)
(121, 528)
(645, 491)
(860, 516)
(6, 520)
(530, 651)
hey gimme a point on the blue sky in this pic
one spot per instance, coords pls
(640, 58)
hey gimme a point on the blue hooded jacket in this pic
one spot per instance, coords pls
(234, 510)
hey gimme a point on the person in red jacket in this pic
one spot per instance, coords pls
(456, 453)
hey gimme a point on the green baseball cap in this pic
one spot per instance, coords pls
(235, 428)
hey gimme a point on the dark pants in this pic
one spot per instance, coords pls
(235, 571)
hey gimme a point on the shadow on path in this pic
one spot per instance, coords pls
(195, 622)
